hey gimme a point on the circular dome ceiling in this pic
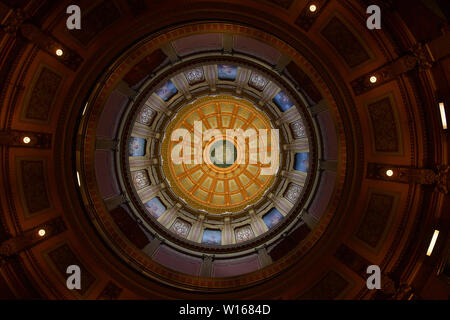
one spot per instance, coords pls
(217, 158)
(95, 152)
(216, 154)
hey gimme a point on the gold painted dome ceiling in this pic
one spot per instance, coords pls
(216, 156)
(221, 179)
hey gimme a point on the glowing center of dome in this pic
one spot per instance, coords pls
(217, 172)
(223, 154)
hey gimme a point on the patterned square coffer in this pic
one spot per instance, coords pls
(181, 227)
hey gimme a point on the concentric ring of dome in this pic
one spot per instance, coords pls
(202, 196)
(222, 186)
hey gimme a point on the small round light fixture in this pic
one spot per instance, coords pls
(59, 52)
(313, 8)
(26, 140)
(389, 173)
(41, 232)
(373, 79)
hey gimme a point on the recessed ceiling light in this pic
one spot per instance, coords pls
(389, 173)
(26, 140)
(313, 8)
(373, 79)
(59, 52)
(432, 243)
(443, 115)
(41, 232)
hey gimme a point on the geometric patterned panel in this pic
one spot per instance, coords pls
(43, 95)
(61, 258)
(298, 129)
(146, 116)
(257, 81)
(181, 227)
(307, 18)
(292, 192)
(34, 185)
(384, 126)
(140, 179)
(244, 233)
(375, 219)
(345, 42)
(330, 287)
(195, 75)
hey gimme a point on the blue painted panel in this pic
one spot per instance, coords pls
(137, 147)
(272, 218)
(282, 101)
(167, 91)
(212, 236)
(227, 72)
(301, 161)
(155, 207)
